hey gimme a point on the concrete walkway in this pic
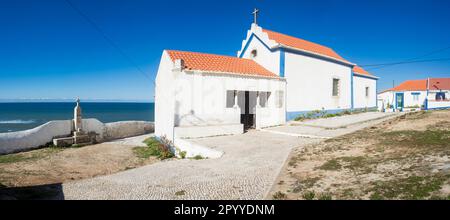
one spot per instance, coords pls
(247, 170)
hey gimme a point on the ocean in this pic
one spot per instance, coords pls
(23, 116)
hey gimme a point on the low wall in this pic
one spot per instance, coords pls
(34, 138)
(123, 129)
(438, 104)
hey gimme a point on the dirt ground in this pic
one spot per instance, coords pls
(403, 158)
(57, 165)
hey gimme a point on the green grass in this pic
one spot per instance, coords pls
(417, 139)
(154, 148)
(413, 187)
(332, 164)
(32, 155)
(12, 158)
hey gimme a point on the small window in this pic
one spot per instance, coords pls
(335, 87)
(263, 98)
(230, 98)
(415, 96)
(279, 99)
(440, 96)
(367, 91)
(254, 53)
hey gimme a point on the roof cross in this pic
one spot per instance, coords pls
(255, 15)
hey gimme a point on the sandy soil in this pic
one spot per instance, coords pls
(402, 158)
(57, 165)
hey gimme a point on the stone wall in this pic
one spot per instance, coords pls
(34, 138)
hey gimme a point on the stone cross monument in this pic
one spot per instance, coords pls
(77, 117)
(79, 135)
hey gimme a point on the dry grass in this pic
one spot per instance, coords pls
(403, 158)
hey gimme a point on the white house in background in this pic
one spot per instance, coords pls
(274, 78)
(431, 93)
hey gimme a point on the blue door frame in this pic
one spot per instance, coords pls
(402, 95)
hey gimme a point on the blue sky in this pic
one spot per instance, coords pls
(48, 51)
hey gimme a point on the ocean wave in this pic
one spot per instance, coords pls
(17, 122)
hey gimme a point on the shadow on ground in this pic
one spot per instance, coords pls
(39, 192)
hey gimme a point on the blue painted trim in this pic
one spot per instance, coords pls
(351, 89)
(403, 100)
(293, 115)
(317, 57)
(248, 43)
(447, 107)
(415, 93)
(368, 77)
(376, 92)
(282, 62)
(289, 50)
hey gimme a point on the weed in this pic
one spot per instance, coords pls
(279, 195)
(309, 195)
(180, 193)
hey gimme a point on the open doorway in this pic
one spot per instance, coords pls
(247, 103)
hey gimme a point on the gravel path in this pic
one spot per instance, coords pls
(247, 170)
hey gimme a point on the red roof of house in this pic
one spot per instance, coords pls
(421, 84)
(361, 71)
(303, 45)
(411, 85)
(219, 63)
(439, 84)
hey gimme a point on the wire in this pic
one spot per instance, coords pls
(108, 39)
(403, 62)
(415, 59)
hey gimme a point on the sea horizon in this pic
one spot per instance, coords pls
(49, 100)
(18, 116)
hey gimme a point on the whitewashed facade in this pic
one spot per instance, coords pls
(192, 103)
(431, 93)
(310, 75)
(195, 103)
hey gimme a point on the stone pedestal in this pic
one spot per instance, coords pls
(80, 137)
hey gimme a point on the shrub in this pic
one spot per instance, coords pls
(183, 154)
(309, 195)
(198, 157)
(159, 148)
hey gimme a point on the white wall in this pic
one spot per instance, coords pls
(438, 104)
(265, 57)
(33, 138)
(164, 98)
(200, 98)
(29, 139)
(310, 83)
(409, 99)
(389, 97)
(359, 92)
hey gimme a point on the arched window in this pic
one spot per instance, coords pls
(254, 53)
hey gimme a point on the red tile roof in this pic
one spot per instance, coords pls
(219, 63)
(421, 84)
(439, 84)
(361, 71)
(411, 85)
(303, 45)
